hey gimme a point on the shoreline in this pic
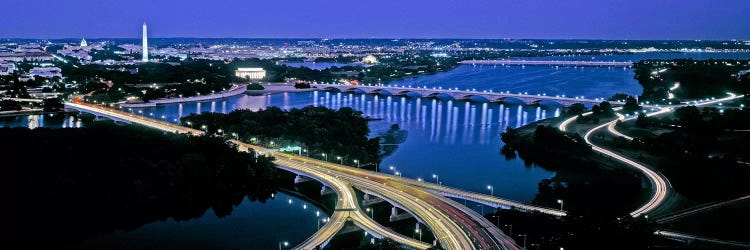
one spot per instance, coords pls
(238, 90)
(22, 112)
(275, 88)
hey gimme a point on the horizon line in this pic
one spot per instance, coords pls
(380, 38)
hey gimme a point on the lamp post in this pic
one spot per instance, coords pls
(419, 231)
(497, 219)
(283, 243)
(537, 245)
(561, 204)
(356, 161)
(398, 173)
(492, 190)
(481, 207)
(325, 155)
(510, 232)
(524, 240)
(341, 160)
(372, 212)
(437, 178)
(324, 220)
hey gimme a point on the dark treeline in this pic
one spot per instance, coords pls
(547, 147)
(698, 78)
(701, 148)
(63, 185)
(337, 133)
(576, 232)
(9, 105)
(579, 180)
(586, 188)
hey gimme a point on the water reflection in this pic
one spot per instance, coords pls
(251, 225)
(59, 120)
(443, 134)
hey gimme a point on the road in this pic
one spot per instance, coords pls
(660, 184)
(485, 199)
(687, 237)
(698, 209)
(453, 228)
(347, 208)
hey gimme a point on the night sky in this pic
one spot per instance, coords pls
(593, 19)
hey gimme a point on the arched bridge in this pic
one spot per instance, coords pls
(457, 94)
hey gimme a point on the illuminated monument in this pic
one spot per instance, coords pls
(145, 43)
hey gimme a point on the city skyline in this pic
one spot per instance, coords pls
(582, 19)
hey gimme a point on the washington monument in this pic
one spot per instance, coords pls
(145, 43)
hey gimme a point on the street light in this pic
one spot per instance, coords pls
(372, 212)
(437, 179)
(482, 207)
(524, 240)
(356, 161)
(537, 245)
(419, 231)
(561, 204)
(325, 155)
(510, 232)
(497, 218)
(398, 173)
(341, 160)
(283, 243)
(492, 190)
(324, 220)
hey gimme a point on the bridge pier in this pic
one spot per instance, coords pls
(301, 178)
(325, 190)
(395, 216)
(367, 200)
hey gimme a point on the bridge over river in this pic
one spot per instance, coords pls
(549, 63)
(459, 94)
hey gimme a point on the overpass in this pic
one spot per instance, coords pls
(347, 209)
(23, 99)
(453, 228)
(449, 222)
(458, 94)
(549, 63)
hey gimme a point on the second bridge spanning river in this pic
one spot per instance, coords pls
(458, 94)
(550, 63)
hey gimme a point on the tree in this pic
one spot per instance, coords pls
(576, 109)
(53, 104)
(631, 104)
(596, 110)
(255, 86)
(618, 97)
(7, 105)
(606, 109)
(642, 121)
(689, 116)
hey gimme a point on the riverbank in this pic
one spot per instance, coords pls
(589, 183)
(21, 112)
(275, 88)
(235, 91)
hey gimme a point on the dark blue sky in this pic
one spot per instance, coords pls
(597, 19)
